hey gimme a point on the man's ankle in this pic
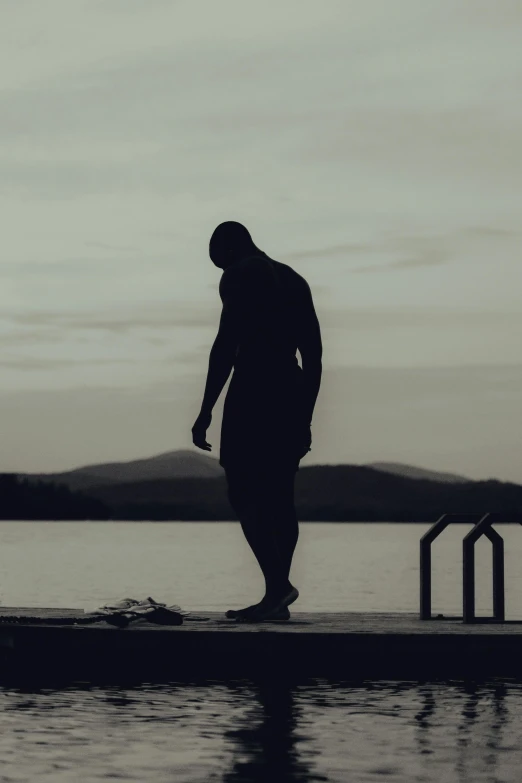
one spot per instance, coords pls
(279, 590)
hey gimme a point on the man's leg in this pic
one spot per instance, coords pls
(284, 517)
(263, 502)
(247, 493)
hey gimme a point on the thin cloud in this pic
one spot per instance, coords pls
(327, 252)
(373, 319)
(429, 258)
(191, 357)
(156, 323)
(32, 363)
(492, 231)
(175, 316)
(31, 337)
(417, 252)
(109, 246)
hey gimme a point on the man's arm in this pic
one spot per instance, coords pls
(311, 350)
(220, 363)
(246, 290)
(221, 360)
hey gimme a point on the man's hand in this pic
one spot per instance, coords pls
(199, 431)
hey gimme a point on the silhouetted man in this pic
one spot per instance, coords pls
(268, 314)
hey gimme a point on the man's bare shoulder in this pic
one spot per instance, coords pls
(296, 280)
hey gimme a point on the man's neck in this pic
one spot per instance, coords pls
(244, 256)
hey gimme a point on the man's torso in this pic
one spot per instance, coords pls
(271, 301)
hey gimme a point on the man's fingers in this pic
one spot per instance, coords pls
(201, 444)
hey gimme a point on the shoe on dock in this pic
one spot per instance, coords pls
(117, 606)
(129, 610)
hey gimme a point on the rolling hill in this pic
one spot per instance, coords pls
(186, 463)
(182, 463)
(410, 471)
(187, 485)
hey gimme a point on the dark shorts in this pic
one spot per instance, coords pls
(262, 423)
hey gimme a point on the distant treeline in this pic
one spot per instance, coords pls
(21, 499)
(328, 493)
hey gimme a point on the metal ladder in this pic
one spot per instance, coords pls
(482, 527)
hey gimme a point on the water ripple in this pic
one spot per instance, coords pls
(244, 731)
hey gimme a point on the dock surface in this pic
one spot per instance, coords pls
(339, 645)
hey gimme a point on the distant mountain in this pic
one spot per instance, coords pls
(335, 493)
(410, 471)
(188, 485)
(185, 463)
(182, 463)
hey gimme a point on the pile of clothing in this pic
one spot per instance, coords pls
(129, 610)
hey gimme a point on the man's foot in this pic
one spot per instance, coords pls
(268, 603)
(234, 614)
(270, 606)
(266, 617)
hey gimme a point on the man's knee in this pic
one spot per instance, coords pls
(263, 492)
(238, 492)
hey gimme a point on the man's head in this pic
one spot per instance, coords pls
(230, 242)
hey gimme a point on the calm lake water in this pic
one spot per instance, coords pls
(243, 731)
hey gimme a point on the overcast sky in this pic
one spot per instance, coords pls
(374, 145)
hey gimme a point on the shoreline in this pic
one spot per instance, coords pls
(236, 522)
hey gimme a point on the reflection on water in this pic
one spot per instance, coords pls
(247, 732)
(266, 747)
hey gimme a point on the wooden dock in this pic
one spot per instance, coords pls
(40, 643)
